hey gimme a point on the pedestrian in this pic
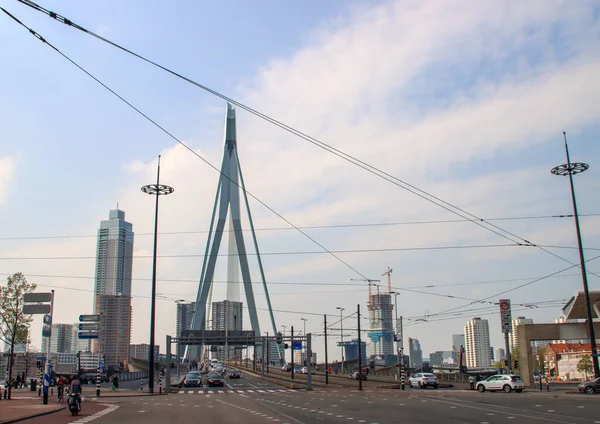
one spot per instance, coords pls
(547, 384)
(18, 381)
(472, 382)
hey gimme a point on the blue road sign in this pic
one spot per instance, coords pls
(87, 335)
(101, 365)
(297, 346)
(89, 318)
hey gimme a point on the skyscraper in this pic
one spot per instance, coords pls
(114, 261)
(512, 336)
(458, 340)
(62, 337)
(415, 352)
(500, 354)
(477, 338)
(185, 313)
(226, 316)
(381, 330)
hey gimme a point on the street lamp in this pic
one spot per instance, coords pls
(571, 169)
(399, 350)
(154, 190)
(342, 336)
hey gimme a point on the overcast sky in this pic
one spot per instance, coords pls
(465, 101)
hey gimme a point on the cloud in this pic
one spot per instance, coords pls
(7, 165)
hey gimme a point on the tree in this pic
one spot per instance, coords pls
(514, 358)
(585, 365)
(14, 324)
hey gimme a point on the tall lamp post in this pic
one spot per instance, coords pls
(154, 190)
(303, 344)
(179, 320)
(342, 335)
(571, 169)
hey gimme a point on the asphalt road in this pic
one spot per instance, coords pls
(246, 384)
(373, 407)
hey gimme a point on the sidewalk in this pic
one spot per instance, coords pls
(24, 405)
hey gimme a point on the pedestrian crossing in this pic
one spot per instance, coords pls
(234, 391)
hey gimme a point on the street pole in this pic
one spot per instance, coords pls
(398, 365)
(401, 354)
(304, 334)
(48, 368)
(326, 363)
(342, 335)
(309, 361)
(292, 337)
(570, 169)
(508, 356)
(359, 351)
(154, 190)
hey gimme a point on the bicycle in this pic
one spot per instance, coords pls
(61, 391)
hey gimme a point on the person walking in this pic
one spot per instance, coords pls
(472, 382)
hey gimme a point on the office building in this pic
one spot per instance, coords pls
(500, 354)
(61, 340)
(436, 359)
(226, 316)
(300, 357)
(512, 336)
(77, 344)
(351, 351)
(415, 353)
(142, 351)
(115, 329)
(112, 289)
(458, 340)
(183, 321)
(381, 331)
(477, 339)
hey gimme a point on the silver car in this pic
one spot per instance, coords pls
(423, 379)
(504, 382)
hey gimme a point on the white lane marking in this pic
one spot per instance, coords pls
(550, 410)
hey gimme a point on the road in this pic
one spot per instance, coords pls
(250, 401)
(246, 384)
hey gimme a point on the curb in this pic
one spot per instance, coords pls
(99, 398)
(41, 414)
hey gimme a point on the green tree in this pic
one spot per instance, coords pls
(514, 358)
(14, 324)
(585, 365)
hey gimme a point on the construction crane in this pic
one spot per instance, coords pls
(371, 282)
(389, 276)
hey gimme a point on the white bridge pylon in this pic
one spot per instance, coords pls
(227, 200)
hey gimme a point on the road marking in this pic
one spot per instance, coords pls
(550, 410)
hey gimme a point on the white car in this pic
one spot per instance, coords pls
(304, 370)
(423, 379)
(504, 382)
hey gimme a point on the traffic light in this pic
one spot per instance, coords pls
(279, 338)
(516, 363)
(38, 364)
(285, 345)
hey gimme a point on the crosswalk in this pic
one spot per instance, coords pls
(233, 391)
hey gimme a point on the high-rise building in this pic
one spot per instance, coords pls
(477, 339)
(142, 351)
(500, 354)
(115, 329)
(226, 315)
(415, 352)
(114, 261)
(77, 344)
(381, 330)
(512, 336)
(185, 313)
(351, 350)
(62, 337)
(458, 340)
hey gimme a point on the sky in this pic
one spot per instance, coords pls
(464, 101)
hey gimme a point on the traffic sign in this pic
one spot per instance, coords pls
(89, 326)
(297, 345)
(46, 331)
(40, 358)
(505, 316)
(37, 297)
(87, 335)
(48, 319)
(89, 318)
(36, 309)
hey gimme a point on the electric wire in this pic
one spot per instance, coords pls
(310, 227)
(39, 37)
(349, 158)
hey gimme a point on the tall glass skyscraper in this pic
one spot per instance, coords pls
(114, 262)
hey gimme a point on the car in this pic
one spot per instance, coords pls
(286, 368)
(192, 379)
(215, 379)
(354, 376)
(504, 382)
(422, 380)
(234, 374)
(590, 387)
(298, 370)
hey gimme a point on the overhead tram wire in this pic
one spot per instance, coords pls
(349, 158)
(318, 227)
(43, 40)
(514, 288)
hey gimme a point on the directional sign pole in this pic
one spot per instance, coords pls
(49, 360)
(506, 318)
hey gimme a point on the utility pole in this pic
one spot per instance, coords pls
(401, 354)
(292, 337)
(326, 363)
(359, 351)
(342, 334)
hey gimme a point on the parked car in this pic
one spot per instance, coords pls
(504, 382)
(590, 387)
(354, 376)
(422, 380)
(234, 374)
(286, 368)
(215, 379)
(193, 379)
